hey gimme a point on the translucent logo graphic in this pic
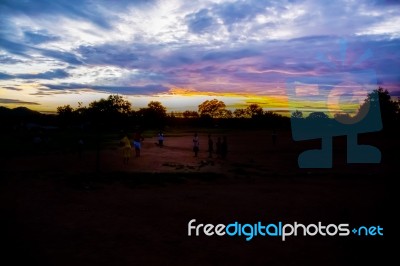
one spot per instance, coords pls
(341, 103)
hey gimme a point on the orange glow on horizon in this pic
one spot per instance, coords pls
(177, 99)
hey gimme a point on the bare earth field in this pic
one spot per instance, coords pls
(59, 209)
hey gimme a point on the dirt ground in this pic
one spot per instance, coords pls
(61, 209)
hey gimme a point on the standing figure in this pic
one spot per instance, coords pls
(137, 139)
(160, 139)
(210, 146)
(224, 147)
(196, 144)
(126, 148)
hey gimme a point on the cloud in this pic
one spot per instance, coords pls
(67, 57)
(8, 60)
(257, 66)
(76, 9)
(53, 74)
(145, 47)
(149, 89)
(5, 76)
(11, 88)
(39, 37)
(14, 47)
(85, 10)
(237, 11)
(239, 17)
(386, 2)
(123, 55)
(25, 50)
(201, 21)
(223, 55)
(14, 101)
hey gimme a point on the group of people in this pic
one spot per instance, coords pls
(221, 146)
(127, 146)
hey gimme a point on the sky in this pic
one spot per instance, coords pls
(283, 55)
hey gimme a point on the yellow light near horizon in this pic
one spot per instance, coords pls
(177, 99)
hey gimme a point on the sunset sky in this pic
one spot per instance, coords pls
(181, 53)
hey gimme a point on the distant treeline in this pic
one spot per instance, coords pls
(117, 113)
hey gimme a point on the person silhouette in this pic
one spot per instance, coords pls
(196, 144)
(126, 148)
(160, 139)
(137, 140)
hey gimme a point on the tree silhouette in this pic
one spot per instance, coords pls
(157, 109)
(111, 111)
(297, 114)
(241, 113)
(190, 114)
(254, 110)
(114, 104)
(154, 115)
(224, 113)
(390, 110)
(116, 112)
(66, 114)
(65, 111)
(213, 108)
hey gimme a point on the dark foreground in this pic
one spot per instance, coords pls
(141, 218)
(55, 209)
